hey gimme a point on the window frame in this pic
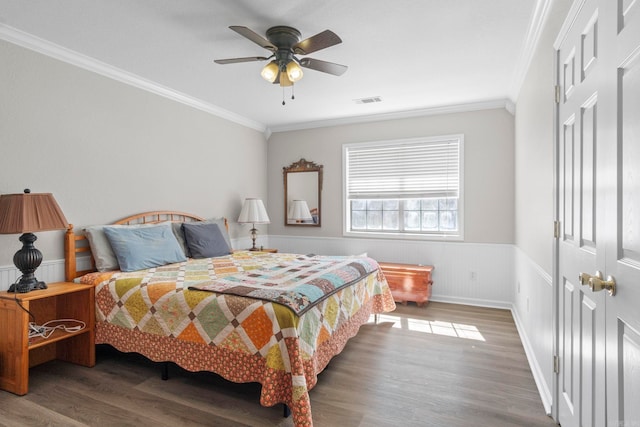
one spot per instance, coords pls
(346, 205)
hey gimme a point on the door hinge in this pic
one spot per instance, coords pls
(556, 365)
(556, 229)
(557, 94)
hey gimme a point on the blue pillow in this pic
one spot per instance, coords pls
(101, 250)
(205, 240)
(140, 248)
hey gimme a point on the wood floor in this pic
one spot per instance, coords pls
(440, 365)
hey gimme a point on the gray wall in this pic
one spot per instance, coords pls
(534, 148)
(488, 168)
(107, 150)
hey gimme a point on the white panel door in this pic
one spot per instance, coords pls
(623, 212)
(598, 200)
(580, 247)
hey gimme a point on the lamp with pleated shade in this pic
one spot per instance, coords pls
(27, 213)
(253, 212)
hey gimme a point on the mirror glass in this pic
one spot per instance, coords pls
(302, 193)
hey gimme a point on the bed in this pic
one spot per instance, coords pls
(272, 318)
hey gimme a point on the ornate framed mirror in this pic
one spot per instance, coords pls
(302, 194)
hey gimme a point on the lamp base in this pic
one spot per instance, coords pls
(254, 235)
(27, 260)
(27, 286)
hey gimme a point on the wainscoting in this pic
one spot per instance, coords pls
(465, 273)
(49, 271)
(533, 314)
(488, 275)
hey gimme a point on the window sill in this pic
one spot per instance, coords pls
(403, 236)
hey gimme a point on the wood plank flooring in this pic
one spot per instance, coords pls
(439, 365)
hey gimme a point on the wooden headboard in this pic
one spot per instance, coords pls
(75, 244)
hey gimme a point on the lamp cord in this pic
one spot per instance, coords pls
(15, 296)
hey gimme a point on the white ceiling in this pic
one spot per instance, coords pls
(414, 54)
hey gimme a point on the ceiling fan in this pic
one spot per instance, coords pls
(284, 43)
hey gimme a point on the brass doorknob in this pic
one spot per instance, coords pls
(597, 284)
(584, 278)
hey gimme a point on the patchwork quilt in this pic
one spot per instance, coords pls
(296, 281)
(159, 313)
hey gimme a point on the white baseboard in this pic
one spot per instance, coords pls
(472, 301)
(536, 369)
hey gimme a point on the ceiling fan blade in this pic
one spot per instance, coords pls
(324, 66)
(254, 37)
(322, 40)
(236, 60)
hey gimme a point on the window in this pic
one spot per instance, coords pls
(411, 188)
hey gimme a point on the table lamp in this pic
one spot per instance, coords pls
(253, 212)
(27, 213)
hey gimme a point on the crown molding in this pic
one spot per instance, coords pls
(447, 109)
(536, 25)
(29, 41)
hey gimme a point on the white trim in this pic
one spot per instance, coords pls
(534, 273)
(472, 301)
(447, 109)
(402, 236)
(536, 370)
(538, 21)
(49, 271)
(28, 41)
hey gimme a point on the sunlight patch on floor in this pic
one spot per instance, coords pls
(436, 327)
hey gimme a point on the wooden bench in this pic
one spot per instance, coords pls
(408, 282)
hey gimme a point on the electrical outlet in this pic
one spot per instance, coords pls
(474, 276)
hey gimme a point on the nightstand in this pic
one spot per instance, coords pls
(273, 251)
(18, 352)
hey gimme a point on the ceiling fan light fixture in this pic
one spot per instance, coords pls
(270, 72)
(294, 71)
(284, 80)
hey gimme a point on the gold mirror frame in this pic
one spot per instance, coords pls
(299, 183)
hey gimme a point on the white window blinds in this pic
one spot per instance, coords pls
(415, 169)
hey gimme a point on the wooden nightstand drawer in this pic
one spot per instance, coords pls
(408, 282)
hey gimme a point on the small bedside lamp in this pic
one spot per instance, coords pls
(253, 212)
(299, 211)
(25, 213)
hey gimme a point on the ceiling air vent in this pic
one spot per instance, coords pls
(369, 100)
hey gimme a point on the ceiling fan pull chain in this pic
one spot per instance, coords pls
(283, 103)
(293, 95)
